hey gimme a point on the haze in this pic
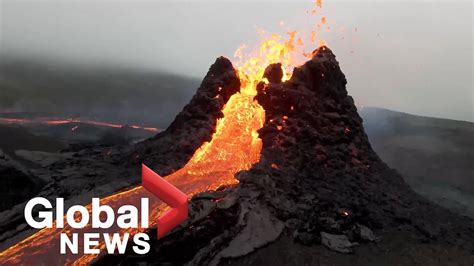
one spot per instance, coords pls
(411, 57)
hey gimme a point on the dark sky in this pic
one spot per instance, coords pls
(409, 56)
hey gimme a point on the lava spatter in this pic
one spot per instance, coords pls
(234, 146)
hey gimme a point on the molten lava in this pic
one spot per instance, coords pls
(49, 121)
(235, 146)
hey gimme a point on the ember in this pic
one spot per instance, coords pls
(235, 146)
(344, 213)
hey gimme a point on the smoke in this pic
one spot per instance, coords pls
(414, 57)
(433, 155)
(104, 93)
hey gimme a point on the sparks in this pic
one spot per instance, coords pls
(235, 146)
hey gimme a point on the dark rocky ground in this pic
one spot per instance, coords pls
(433, 155)
(319, 183)
(54, 163)
(86, 170)
(319, 196)
(194, 125)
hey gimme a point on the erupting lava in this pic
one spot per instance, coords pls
(235, 146)
(70, 121)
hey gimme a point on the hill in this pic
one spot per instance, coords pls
(433, 155)
(107, 93)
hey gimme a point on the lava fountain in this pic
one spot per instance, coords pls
(234, 146)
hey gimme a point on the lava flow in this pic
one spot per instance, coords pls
(48, 121)
(235, 146)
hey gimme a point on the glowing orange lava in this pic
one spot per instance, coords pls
(49, 121)
(234, 147)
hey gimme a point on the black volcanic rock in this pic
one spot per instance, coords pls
(171, 149)
(318, 182)
(99, 169)
(17, 184)
(273, 73)
(317, 157)
(312, 131)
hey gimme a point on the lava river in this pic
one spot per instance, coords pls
(234, 146)
(49, 121)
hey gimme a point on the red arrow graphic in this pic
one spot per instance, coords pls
(170, 195)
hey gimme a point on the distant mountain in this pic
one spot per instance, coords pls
(435, 156)
(110, 93)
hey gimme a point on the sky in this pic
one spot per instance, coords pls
(410, 56)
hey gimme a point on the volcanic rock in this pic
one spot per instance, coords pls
(171, 149)
(327, 176)
(260, 229)
(17, 184)
(321, 149)
(366, 234)
(318, 179)
(89, 170)
(273, 73)
(339, 243)
(42, 158)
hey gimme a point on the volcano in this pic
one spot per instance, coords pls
(274, 165)
(316, 181)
